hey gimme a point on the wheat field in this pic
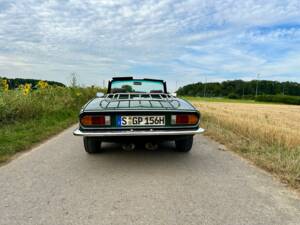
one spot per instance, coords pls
(267, 134)
(266, 123)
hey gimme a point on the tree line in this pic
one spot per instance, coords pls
(16, 82)
(240, 89)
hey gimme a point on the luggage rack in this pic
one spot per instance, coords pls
(139, 100)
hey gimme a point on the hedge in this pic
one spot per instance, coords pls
(287, 99)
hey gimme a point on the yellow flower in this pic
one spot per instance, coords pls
(42, 84)
(4, 85)
(27, 89)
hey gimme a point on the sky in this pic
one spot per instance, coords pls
(179, 41)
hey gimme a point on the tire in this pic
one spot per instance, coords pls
(92, 145)
(185, 144)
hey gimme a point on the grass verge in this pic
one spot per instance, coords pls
(27, 119)
(23, 135)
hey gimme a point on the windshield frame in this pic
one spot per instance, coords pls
(109, 90)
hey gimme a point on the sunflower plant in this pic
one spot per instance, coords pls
(4, 85)
(42, 84)
(26, 89)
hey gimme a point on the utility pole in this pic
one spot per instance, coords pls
(205, 86)
(256, 92)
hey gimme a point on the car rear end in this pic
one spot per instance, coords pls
(139, 117)
(137, 110)
(137, 113)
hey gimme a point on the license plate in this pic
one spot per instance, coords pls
(124, 121)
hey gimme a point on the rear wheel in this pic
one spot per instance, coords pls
(92, 144)
(184, 144)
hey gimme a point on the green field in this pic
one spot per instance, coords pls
(261, 99)
(217, 99)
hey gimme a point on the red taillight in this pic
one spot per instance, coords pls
(184, 119)
(90, 120)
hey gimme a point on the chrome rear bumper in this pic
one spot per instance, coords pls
(78, 132)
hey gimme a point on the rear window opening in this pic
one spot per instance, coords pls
(137, 86)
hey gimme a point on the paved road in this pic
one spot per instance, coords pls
(58, 184)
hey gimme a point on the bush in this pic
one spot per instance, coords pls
(15, 106)
(286, 99)
(233, 96)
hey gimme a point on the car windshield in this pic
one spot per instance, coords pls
(137, 86)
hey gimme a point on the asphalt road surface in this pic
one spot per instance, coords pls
(57, 183)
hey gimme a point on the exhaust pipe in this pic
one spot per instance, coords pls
(151, 146)
(128, 147)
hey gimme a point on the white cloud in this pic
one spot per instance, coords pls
(221, 39)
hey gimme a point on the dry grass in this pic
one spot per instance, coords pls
(269, 135)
